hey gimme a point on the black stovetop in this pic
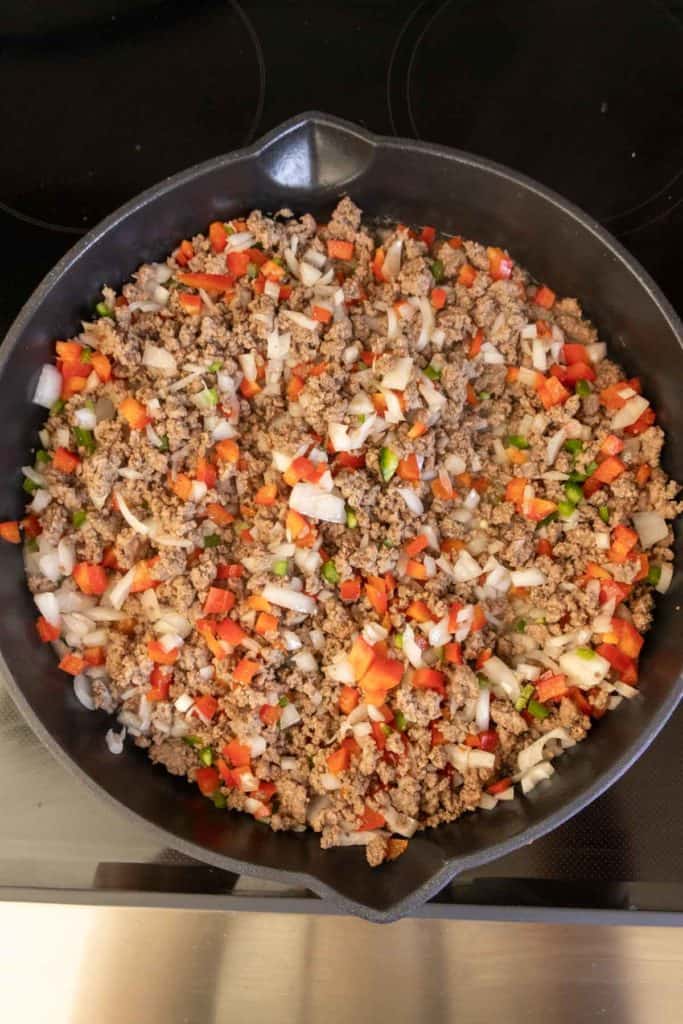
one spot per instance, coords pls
(102, 99)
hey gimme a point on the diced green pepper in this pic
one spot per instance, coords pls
(283, 701)
(219, 800)
(398, 641)
(400, 721)
(603, 512)
(433, 372)
(483, 395)
(565, 509)
(388, 463)
(437, 268)
(548, 519)
(79, 517)
(32, 544)
(215, 366)
(163, 447)
(582, 388)
(654, 575)
(351, 518)
(42, 456)
(573, 446)
(229, 230)
(252, 270)
(520, 626)
(102, 309)
(30, 486)
(525, 695)
(516, 441)
(57, 407)
(590, 468)
(538, 710)
(206, 756)
(86, 354)
(329, 572)
(483, 680)
(212, 540)
(385, 729)
(85, 439)
(281, 567)
(574, 492)
(585, 652)
(191, 741)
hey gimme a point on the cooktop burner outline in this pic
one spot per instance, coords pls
(21, 211)
(623, 187)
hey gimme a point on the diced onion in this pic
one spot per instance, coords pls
(286, 597)
(439, 634)
(290, 716)
(83, 692)
(373, 633)
(328, 781)
(629, 413)
(596, 351)
(532, 754)
(538, 355)
(131, 519)
(481, 716)
(120, 591)
(301, 320)
(311, 500)
(86, 418)
(341, 671)
(651, 528)
(278, 344)
(501, 675)
(537, 773)
(240, 240)
(397, 375)
(527, 578)
(401, 824)
(491, 354)
(487, 802)
(156, 358)
(411, 648)
(481, 759)
(40, 502)
(392, 260)
(665, 578)
(466, 568)
(305, 661)
(48, 606)
(114, 740)
(427, 328)
(49, 565)
(49, 386)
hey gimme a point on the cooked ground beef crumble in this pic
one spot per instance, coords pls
(356, 527)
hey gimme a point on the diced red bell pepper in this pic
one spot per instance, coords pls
(453, 653)
(438, 298)
(437, 736)
(348, 699)
(544, 547)
(219, 515)
(349, 590)
(72, 663)
(419, 612)
(645, 420)
(551, 687)
(238, 754)
(338, 761)
(9, 531)
(266, 495)
(499, 787)
(160, 656)
(409, 468)
(219, 601)
(270, 713)
(428, 235)
(227, 450)
(612, 445)
(361, 657)
(544, 297)
(488, 740)
(383, 674)
(65, 461)
(551, 391)
(377, 598)
(91, 579)
(206, 706)
(184, 253)
(134, 413)
(245, 670)
(218, 236)
(467, 275)
(479, 620)
(609, 470)
(580, 371)
(429, 679)
(514, 491)
(624, 539)
(190, 303)
(612, 589)
(629, 639)
(574, 353)
(46, 631)
(339, 250)
(539, 508)
(206, 472)
(500, 264)
(101, 365)
(215, 283)
(619, 661)
(371, 820)
(321, 314)
(475, 344)
(416, 570)
(94, 656)
(378, 734)
(208, 781)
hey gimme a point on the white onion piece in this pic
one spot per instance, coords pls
(537, 773)
(183, 703)
(330, 782)
(131, 519)
(397, 375)
(392, 260)
(487, 802)
(491, 354)
(286, 597)
(156, 358)
(413, 502)
(481, 759)
(120, 591)
(527, 578)
(651, 528)
(341, 671)
(83, 692)
(67, 556)
(506, 794)
(434, 399)
(48, 606)
(361, 405)
(114, 740)
(278, 345)
(49, 565)
(86, 418)
(411, 649)
(223, 430)
(596, 351)
(466, 568)
(665, 578)
(308, 560)
(49, 386)
(629, 413)
(373, 633)
(625, 690)
(247, 361)
(454, 464)
(501, 675)
(532, 754)
(301, 320)
(290, 716)
(400, 824)
(240, 240)
(481, 715)
(425, 335)
(439, 634)
(305, 661)
(311, 500)
(309, 274)
(554, 446)
(40, 502)
(538, 355)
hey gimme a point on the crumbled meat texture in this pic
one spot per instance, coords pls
(450, 498)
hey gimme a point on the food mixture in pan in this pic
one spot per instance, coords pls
(356, 527)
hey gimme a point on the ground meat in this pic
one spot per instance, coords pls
(328, 556)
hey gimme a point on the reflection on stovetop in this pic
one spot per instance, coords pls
(109, 97)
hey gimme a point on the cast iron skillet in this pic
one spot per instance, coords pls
(307, 164)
